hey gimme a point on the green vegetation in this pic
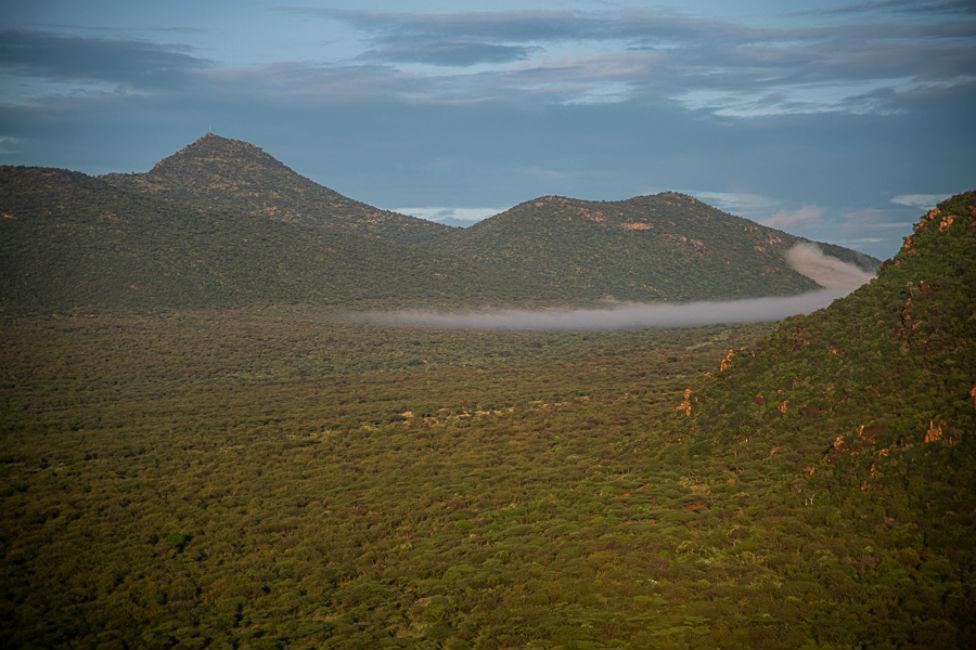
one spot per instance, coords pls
(69, 241)
(663, 247)
(867, 411)
(223, 223)
(247, 473)
(243, 179)
(278, 478)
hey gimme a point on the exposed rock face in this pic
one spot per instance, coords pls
(685, 406)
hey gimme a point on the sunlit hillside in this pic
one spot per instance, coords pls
(282, 477)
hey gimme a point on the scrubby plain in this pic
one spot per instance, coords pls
(280, 478)
(195, 466)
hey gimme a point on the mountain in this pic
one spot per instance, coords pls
(69, 240)
(862, 417)
(223, 223)
(639, 249)
(897, 355)
(238, 176)
(663, 247)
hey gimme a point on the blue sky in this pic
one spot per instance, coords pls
(839, 121)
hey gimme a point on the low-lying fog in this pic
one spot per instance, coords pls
(837, 277)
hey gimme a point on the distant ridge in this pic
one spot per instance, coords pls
(221, 222)
(219, 172)
(667, 246)
(71, 241)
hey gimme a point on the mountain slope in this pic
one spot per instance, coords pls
(222, 222)
(897, 354)
(238, 176)
(663, 247)
(70, 240)
(861, 419)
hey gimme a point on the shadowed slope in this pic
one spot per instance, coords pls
(69, 240)
(663, 247)
(238, 176)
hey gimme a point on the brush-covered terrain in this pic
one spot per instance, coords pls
(221, 222)
(270, 480)
(241, 178)
(70, 241)
(284, 478)
(866, 412)
(667, 246)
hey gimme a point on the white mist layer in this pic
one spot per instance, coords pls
(836, 276)
(827, 271)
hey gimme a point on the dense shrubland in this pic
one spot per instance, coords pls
(281, 477)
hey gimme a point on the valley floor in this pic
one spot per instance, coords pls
(278, 478)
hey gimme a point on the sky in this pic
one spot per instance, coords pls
(837, 121)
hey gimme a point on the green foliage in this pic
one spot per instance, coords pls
(663, 247)
(69, 241)
(278, 477)
(221, 223)
(240, 178)
(867, 410)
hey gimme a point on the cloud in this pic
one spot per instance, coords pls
(906, 6)
(527, 26)
(837, 277)
(454, 39)
(59, 57)
(8, 145)
(736, 202)
(698, 64)
(589, 79)
(127, 29)
(826, 270)
(725, 67)
(451, 216)
(859, 241)
(785, 219)
(920, 201)
(624, 316)
(292, 83)
(448, 53)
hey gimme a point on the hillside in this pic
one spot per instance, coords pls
(663, 247)
(919, 360)
(69, 240)
(282, 478)
(238, 176)
(866, 413)
(223, 223)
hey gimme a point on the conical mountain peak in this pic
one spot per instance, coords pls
(235, 175)
(209, 151)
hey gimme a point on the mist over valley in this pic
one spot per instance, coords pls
(837, 277)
